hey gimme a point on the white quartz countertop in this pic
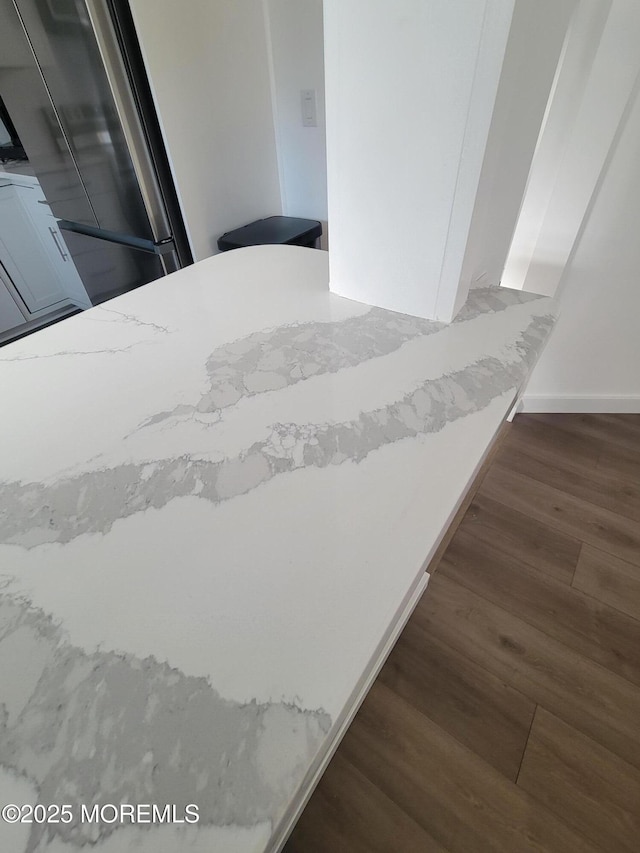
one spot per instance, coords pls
(217, 497)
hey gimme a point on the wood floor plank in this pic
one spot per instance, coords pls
(582, 446)
(609, 579)
(598, 486)
(608, 430)
(589, 787)
(466, 804)
(348, 814)
(597, 702)
(587, 626)
(620, 463)
(478, 709)
(468, 498)
(624, 426)
(540, 546)
(576, 517)
(544, 439)
(630, 422)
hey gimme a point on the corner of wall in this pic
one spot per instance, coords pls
(266, 13)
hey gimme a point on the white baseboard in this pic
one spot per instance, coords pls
(581, 405)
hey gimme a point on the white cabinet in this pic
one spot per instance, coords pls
(10, 314)
(33, 251)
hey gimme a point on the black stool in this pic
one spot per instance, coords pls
(285, 230)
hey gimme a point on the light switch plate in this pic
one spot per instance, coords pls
(309, 110)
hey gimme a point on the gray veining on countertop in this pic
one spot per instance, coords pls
(93, 501)
(110, 317)
(123, 317)
(270, 360)
(108, 727)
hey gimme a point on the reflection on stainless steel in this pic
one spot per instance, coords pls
(72, 68)
(54, 234)
(128, 114)
(28, 103)
(73, 82)
(65, 12)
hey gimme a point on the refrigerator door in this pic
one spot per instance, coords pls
(72, 63)
(108, 21)
(32, 112)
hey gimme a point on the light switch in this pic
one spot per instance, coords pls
(309, 111)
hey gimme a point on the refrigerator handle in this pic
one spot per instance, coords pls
(163, 247)
(126, 106)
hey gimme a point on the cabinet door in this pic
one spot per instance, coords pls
(25, 255)
(34, 253)
(10, 314)
(60, 258)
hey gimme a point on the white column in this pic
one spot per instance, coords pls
(410, 90)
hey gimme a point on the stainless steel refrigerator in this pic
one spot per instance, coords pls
(73, 83)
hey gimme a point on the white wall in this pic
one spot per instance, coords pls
(592, 362)
(209, 66)
(595, 83)
(535, 43)
(410, 92)
(297, 43)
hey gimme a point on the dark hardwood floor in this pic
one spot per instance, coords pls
(507, 717)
